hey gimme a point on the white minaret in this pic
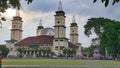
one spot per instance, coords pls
(60, 39)
(74, 37)
(16, 31)
(39, 28)
(74, 32)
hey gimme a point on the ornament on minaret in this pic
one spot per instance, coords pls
(39, 28)
(40, 23)
(73, 20)
(17, 12)
(60, 6)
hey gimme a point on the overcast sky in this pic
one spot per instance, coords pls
(45, 10)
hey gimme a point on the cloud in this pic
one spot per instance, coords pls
(32, 18)
(41, 5)
(4, 35)
(45, 9)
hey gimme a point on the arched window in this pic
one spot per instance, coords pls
(58, 22)
(14, 26)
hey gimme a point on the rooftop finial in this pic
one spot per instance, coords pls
(73, 20)
(17, 12)
(60, 6)
(40, 23)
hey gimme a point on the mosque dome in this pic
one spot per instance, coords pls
(48, 31)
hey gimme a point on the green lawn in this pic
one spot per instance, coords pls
(109, 63)
(60, 62)
(41, 62)
(102, 62)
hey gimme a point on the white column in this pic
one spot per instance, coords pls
(30, 53)
(34, 54)
(37, 52)
(26, 53)
(22, 54)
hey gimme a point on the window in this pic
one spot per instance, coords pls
(61, 40)
(56, 48)
(58, 22)
(14, 26)
(56, 40)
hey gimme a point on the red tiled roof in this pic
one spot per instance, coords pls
(43, 39)
(71, 45)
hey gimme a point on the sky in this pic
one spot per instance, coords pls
(45, 10)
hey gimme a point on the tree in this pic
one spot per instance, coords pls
(108, 34)
(91, 49)
(48, 51)
(1, 19)
(95, 44)
(96, 25)
(95, 41)
(5, 4)
(110, 38)
(65, 51)
(4, 50)
(106, 2)
(20, 50)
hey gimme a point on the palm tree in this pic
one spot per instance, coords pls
(20, 50)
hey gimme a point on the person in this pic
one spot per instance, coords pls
(0, 59)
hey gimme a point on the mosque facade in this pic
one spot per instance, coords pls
(48, 41)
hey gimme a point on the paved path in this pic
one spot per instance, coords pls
(55, 66)
(91, 63)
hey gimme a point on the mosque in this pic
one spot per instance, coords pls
(48, 41)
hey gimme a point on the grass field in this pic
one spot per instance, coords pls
(109, 63)
(41, 62)
(60, 62)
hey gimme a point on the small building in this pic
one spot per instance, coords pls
(96, 53)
